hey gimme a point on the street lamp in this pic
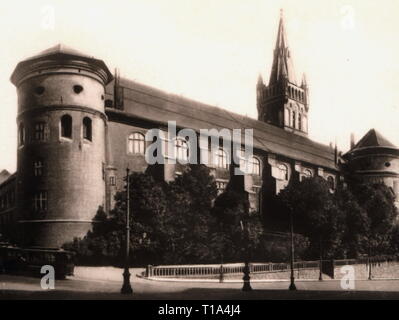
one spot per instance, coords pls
(126, 288)
(292, 284)
(246, 271)
(221, 275)
(321, 260)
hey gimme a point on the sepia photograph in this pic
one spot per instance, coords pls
(211, 151)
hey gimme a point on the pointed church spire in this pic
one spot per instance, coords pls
(304, 83)
(282, 63)
(260, 79)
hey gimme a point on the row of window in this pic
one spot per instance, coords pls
(136, 145)
(296, 120)
(275, 90)
(40, 89)
(40, 129)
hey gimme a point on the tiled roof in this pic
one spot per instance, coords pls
(373, 139)
(58, 53)
(153, 105)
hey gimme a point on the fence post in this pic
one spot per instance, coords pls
(147, 271)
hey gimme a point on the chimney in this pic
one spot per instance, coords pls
(336, 152)
(352, 140)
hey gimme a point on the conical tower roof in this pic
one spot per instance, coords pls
(374, 139)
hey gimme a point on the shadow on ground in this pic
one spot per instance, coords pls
(202, 294)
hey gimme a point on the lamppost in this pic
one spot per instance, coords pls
(292, 284)
(246, 271)
(321, 260)
(221, 274)
(126, 288)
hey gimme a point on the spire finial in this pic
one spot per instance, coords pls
(281, 13)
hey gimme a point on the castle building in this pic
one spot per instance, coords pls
(80, 127)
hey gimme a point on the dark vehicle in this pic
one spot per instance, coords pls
(29, 261)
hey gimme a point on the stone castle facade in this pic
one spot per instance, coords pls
(80, 127)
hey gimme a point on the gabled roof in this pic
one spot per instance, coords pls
(156, 106)
(373, 139)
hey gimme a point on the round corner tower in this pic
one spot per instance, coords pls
(61, 145)
(374, 159)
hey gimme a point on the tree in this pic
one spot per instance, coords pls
(237, 230)
(105, 243)
(315, 215)
(356, 224)
(378, 201)
(189, 221)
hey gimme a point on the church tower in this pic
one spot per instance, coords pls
(283, 102)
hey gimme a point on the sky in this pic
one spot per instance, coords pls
(213, 51)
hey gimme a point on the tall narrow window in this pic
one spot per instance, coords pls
(221, 159)
(66, 126)
(87, 130)
(255, 166)
(181, 149)
(136, 143)
(293, 119)
(39, 131)
(331, 183)
(21, 134)
(283, 172)
(38, 168)
(40, 201)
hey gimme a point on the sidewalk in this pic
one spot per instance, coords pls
(17, 287)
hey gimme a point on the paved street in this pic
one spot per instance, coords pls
(18, 287)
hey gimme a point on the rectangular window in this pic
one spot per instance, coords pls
(40, 201)
(39, 131)
(38, 168)
(112, 181)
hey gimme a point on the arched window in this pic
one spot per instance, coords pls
(136, 143)
(307, 174)
(283, 172)
(221, 159)
(331, 183)
(87, 129)
(21, 134)
(66, 126)
(254, 166)
(181, 149)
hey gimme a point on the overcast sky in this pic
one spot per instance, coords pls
(213, 50)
